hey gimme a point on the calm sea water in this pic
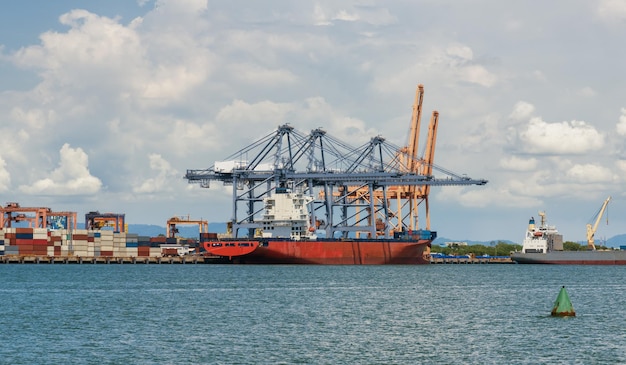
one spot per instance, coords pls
(228, 314)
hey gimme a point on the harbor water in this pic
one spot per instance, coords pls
(230, 314)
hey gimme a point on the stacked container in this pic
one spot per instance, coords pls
(79, 243)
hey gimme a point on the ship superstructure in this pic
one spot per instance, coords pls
(541, 238)
(286, 216)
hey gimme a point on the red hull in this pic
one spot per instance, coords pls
(326, 252)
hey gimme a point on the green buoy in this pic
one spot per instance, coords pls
(563, 307)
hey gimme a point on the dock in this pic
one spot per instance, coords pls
(181, 260)
(471, 260)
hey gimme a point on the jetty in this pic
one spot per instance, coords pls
(190, 259)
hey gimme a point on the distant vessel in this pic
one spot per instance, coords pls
(287, 237)
(544, 245)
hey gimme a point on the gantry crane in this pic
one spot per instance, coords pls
(42, 217)
(171, 230)
(591, 229)
(352, 186)
(62, 220)
(13, 212)
(97, 220)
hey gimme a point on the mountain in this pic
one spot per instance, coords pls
(441, 241)
(615, 241)
(152, 230)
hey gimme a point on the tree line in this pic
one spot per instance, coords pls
(498, 248)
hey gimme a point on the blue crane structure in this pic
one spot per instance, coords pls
(342, 180)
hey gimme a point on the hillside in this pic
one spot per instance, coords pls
(183, 231)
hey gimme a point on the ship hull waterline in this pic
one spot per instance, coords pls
(572, 258)
(324, 252)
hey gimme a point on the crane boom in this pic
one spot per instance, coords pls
(416, 119)
(591, 230)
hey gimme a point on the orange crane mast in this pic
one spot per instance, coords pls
(410, 197)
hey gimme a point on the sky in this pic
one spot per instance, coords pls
(105, 105)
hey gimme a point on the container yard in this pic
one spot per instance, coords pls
(52, 237)
(43, 245)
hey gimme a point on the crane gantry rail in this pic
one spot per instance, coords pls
(352, 186)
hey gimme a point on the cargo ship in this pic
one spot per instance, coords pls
(287, 236)
(543, 244)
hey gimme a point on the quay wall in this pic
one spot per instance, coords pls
(25, 242)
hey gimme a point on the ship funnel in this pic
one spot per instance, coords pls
(563, 306)
(531, 224)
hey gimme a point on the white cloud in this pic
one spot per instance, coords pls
(477, 74)
(72, 177)
(458, 50)
(483, 197)
(257, 75)
(587, 92)
(323, 15)
(590, 173)
(612, 11)
(522, 111)
(621, 125)
(320, 17)
(160, 182)
(35, 118)
(345, 16)
(515, 163)
(188, 138)
(573, 137)
(5, 177)
(240, 112)
(621, 165)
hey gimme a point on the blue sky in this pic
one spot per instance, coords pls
(104, 105)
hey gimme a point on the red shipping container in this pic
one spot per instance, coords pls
(40, 242)
(26, 249)
(23, 242)
(143, 251)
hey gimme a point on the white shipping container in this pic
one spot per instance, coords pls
(229, 166)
